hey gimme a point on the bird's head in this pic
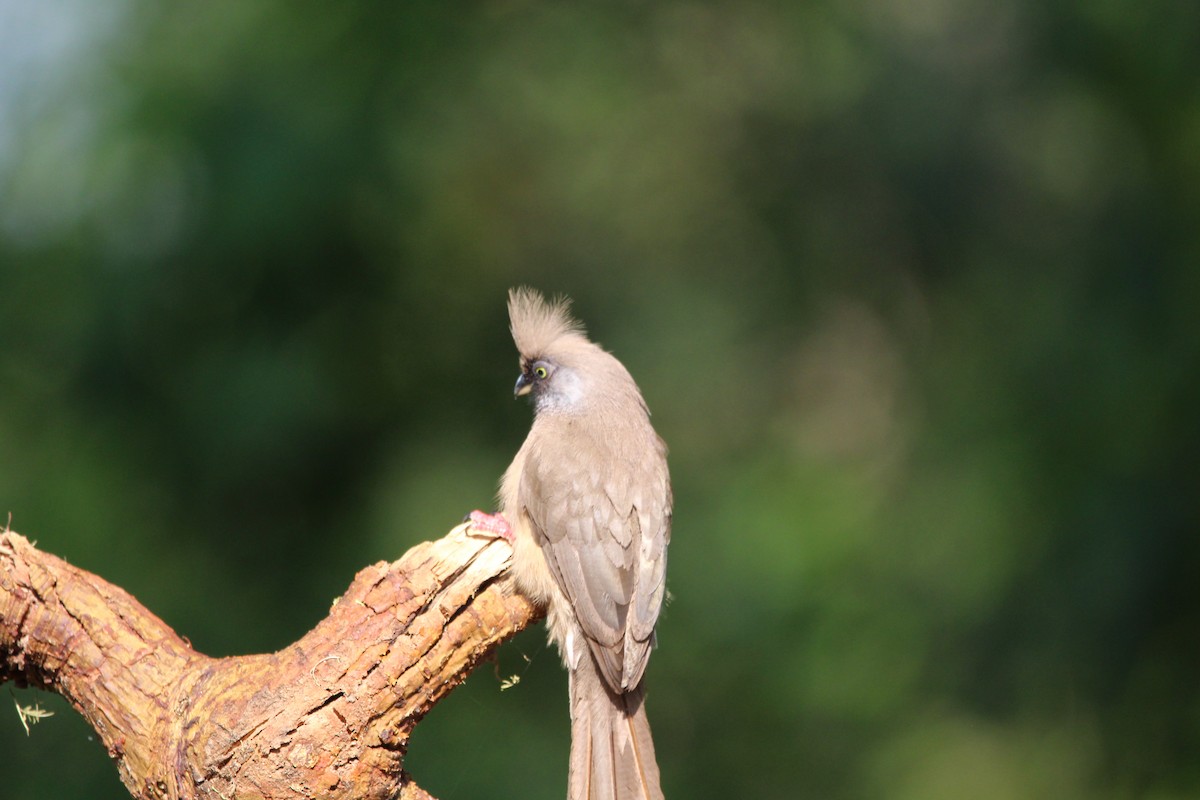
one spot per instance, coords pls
(556, 357)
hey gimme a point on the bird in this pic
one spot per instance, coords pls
(587, 505)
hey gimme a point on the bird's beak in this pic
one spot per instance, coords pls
(524, 385)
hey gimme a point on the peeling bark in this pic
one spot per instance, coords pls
(329, 717)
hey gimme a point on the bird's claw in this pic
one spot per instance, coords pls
(494, 524)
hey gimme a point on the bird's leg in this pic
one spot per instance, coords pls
(491, 523)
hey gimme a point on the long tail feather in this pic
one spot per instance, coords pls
(612, 754)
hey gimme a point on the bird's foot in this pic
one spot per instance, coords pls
(494, 524)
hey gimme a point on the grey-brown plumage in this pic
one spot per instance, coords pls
(588, 499)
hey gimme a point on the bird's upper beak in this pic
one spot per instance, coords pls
(524, 385)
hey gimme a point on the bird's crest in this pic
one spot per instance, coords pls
(537, 323)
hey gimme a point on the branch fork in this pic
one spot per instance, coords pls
(329, 716)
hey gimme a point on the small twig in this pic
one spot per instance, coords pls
(30, 715)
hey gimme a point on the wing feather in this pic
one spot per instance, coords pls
(604, 535)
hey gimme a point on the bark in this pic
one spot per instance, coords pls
(328, 717)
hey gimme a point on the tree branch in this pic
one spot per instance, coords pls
(330, 716)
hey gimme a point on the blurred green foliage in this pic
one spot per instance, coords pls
(911, 288)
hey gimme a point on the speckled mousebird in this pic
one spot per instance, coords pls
(587, 506)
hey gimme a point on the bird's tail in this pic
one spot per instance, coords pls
(612, 755)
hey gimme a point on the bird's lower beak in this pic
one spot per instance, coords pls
(524, 384)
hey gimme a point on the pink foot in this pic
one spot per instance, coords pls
(491, 523)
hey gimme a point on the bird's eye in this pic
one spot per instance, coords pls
(540, 372)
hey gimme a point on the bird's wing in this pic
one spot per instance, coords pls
(603, 520)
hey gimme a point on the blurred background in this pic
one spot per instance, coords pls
(911, 287)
